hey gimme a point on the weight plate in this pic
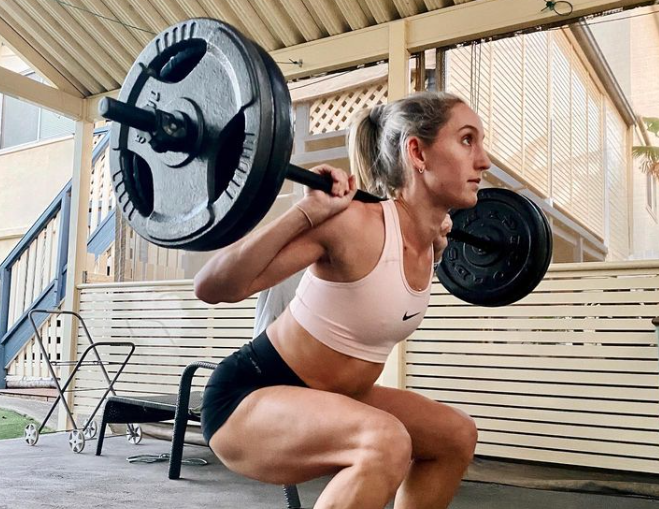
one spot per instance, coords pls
(181, 199)
(547, 240)
(31, 434)
(280, 155)
(500, 276)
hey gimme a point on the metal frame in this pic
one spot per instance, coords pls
(93, 347)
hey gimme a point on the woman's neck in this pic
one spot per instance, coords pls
(420, 220)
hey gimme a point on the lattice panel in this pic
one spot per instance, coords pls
(334, 112)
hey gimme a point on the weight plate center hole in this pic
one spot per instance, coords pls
(179, 60)
(139, 181)
(485, 257)
(230, 142)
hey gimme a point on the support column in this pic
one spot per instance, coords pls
(77, 248)
(441, 70)
(399, 84)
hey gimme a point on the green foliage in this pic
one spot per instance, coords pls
(652, 125)
(648, 153)
(12, 425)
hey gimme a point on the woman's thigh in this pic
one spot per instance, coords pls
(288, 435)
(436, 429)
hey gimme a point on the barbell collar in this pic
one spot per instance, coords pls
(167, 131)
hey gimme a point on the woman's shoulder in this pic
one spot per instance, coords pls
(360, 214)
(357, 223)
(354, 240)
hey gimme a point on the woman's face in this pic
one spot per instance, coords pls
(455, 161)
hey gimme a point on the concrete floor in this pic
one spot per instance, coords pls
(49, 475)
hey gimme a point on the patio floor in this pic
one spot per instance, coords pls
(49, 475)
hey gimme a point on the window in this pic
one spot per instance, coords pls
(22, 122)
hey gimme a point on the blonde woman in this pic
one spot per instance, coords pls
(300, 400)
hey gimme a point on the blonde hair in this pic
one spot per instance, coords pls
(377, 138)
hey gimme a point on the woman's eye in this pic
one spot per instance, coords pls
(467, 140)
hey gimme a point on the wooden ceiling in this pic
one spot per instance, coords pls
(86, 47)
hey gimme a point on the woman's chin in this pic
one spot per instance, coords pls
(468, 201)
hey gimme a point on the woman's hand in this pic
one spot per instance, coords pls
(319, 206)
(440, 242)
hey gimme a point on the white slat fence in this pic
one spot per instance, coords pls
(567, 375)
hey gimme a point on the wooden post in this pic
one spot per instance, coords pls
(440, 70)
(420, 76)
(399, 83)
(77, 249)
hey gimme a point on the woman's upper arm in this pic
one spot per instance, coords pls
(304, 250)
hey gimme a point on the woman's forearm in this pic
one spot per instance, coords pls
(229, 273)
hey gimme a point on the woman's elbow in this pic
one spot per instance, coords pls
(203, 291)
(212, 292)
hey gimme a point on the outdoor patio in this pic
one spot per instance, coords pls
(49, 475)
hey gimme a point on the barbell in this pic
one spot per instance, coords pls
(200, 147)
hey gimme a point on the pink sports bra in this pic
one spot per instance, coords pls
(365, 318)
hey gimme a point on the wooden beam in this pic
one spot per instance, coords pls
(26, 89)
(336, 52)
(399, 61)
(393, 374)
(77, 254)
(488, 18)
(438, 28)
(30, 55)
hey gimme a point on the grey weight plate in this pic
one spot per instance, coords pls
(208, 71)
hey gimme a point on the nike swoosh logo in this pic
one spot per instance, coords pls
(407, 317)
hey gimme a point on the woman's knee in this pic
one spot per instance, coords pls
(464, 437)
(385, 446)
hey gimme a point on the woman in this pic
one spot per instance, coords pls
(300, 401)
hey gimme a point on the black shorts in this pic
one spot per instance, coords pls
(256, 365)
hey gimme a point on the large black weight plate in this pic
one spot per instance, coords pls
(195, 199)
(282, 147)
(501, 276)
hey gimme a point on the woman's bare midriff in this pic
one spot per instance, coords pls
(319, 366)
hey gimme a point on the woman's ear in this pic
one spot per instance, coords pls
(416, 153)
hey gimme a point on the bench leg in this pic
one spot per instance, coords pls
(292, 497)
(101, 435)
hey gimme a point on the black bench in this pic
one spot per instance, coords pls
(182, 408)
